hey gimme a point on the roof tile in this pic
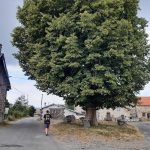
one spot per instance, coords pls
(144, 101)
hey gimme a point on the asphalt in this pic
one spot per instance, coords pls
(27, 134)
(144, 127)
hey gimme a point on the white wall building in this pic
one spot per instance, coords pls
(109, 114)
(56, 110)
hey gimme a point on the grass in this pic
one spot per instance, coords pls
(105, 130)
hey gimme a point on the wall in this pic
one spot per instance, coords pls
(55, 111)
(114, 114)
(141, 110)
(3, 92)
(102, 113)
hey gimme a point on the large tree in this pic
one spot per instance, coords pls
(93, 53)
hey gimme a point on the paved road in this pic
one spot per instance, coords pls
(27, 134)
(144, 127)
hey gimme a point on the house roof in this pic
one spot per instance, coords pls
(2, 60)
(54, 106)
(144, 101)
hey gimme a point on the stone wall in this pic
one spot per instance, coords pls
(109, 114)
(3, 92)
(55, 111)
(143, 112)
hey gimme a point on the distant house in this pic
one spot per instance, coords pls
(112, 115)
(56, 110)
(4, 85)
(143, 108)
(108, 114)
(60, 111)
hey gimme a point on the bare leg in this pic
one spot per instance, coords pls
(46, 131)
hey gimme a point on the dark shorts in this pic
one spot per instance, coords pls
(46, 125)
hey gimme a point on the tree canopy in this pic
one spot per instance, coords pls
(31, 110)
(93, 53)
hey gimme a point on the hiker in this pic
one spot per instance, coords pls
(47, 118)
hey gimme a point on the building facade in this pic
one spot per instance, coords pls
(56, 110)
(143, 108)
(113, 114)
(141, 111)
(108, 114)
(4, 85)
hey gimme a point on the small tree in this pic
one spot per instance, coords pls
(19, 109)
(32, 110)
(93, 53)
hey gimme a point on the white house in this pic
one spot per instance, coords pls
(110, 114)
(56, 110)
(142, 110)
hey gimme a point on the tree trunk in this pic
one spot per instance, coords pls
(91, 116)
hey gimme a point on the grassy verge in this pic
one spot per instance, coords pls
(105, 130)
(4, 124)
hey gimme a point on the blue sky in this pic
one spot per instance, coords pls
(20, 83)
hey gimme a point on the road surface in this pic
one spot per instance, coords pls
(144, 127)
(27, 134)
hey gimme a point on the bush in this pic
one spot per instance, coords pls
(31, 111)
(18, 110)
(11, 118)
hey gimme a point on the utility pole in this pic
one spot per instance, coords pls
(41, 106)
(41, 101)
(27, 100)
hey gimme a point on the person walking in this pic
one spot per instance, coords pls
(47, 117)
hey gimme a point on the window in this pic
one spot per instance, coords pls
(143, 114)
(148, 115)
